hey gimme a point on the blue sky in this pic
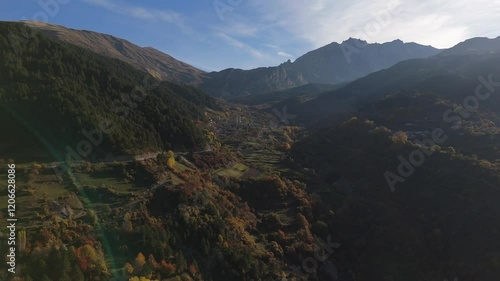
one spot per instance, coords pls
(217, 34)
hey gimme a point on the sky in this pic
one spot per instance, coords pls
(219, 34)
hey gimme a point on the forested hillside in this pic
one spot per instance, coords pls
(433, 218)
(53, 92)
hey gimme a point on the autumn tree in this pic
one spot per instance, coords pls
(171, 159)
(167, 268)
(399, 138)
(22, 240)
(287, 146)
(139, 262)
(128, 268)
(152, 261)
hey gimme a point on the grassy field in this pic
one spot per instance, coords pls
(235, 171)
(29, 196)
(120, 185)
(33, 188)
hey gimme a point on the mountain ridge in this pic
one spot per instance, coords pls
(149, 59)
(459, 62)
(331, 64)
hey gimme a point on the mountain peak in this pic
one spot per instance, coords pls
(352, 40)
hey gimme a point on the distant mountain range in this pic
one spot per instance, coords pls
(452, 74)
(332, 64)
(361, 72)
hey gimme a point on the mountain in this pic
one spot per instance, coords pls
(237, 82)
(156, 63)
(266, 202)
(56, 95)
(452, 74)
(478, 45)
(439, 222)
(431, 124)
(332, 64)
(356, 58)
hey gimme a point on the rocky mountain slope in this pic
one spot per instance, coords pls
(156, 63)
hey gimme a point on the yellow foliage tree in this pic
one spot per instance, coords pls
(171, 162)
(22, 240)
(399, 137)
(170, 153)
(140, 260)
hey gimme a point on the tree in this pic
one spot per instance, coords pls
(90, 259)
(171, 162)
(127, 226)
(287, 146)
(92, 217)
(152, 261)
(22, 240)
(192, 269)
(167, 268)
(399, 137)
(171, 159)
(170, 153)
(139, 262)
(128, 268)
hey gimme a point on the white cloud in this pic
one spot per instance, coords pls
(238, 29)
(142, 13)
(286, 55)
(432, 22)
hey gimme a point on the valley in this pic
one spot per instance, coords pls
(389, 172)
